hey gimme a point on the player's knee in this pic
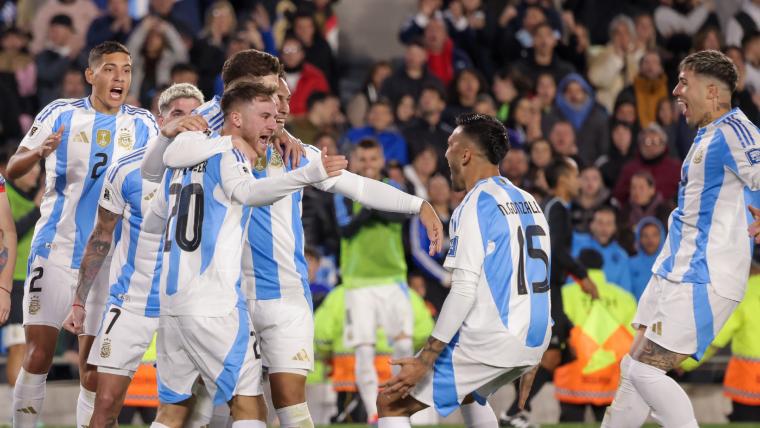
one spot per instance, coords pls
(391, 405)
(107, 402)
(37, 359)
(88, 377)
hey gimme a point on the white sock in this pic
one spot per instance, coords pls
(296, 416)
(366, 378)
(85, 406)
(628, 410)
(663, 395)
(477, 416)
(158, 425)
(221, 417)
(393, 422)
(28, 396)
(250, 423)
(402, 348)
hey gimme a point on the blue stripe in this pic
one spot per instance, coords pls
(153, 304)
(497, 265)
(233, 362)
(216, 121)
(48, 231)
(124, 279)
(47, 111)
(341, 212)
(744, 131)
(703, 319)
(87, 207)
(166, 395)
(78, 103)
(714, 173)
(445, 398)
(175, 252)
(213, 212)
(298, 257)
(141, 134)
(120, 165)
(125, 160)
(741, 136)
(262, 251)
(535, 271)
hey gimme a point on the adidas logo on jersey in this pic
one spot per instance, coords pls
(302, 355)
(657, 328)
(28, 410)
(81, 138)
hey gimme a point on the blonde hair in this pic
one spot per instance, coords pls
(175, 91)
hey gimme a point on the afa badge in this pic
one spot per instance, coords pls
(105, 350)
(34, 305)
(276, 160)
(103, 137)
(124, 139)
(753, 156)
(261, 163)
(699, 155)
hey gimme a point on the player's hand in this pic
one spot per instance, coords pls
(412, 371)
(434, 227)
(588, 287)
(250, 152)
(51, 143)
(5, 302)
(174, 127)
(754, 228)
(333, 164)
(289, 148)
(74, 322)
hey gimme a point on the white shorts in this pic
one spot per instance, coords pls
(285, 330)
(13, 334)
(122, 341)
(682, 317)
(368, 308)
(48, 292)
(218, 349)
(455, 375)
(96, 301)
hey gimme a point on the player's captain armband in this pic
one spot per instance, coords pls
(753, 156)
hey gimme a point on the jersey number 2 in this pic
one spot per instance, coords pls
(99, 165)
(184, 197)
(534, 253)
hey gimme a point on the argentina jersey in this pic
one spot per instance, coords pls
(707, 238)
(500, 233)
(136, 262)
(74, 172)
(203, 241)
(211, 110)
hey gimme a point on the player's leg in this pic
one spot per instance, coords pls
(362, 320)
(173, 415)
(13, 334)
(111, 391)
(395, 411)
(570, 412)
(397, 319)
(249, 411)
(478, 415)
(176, 374)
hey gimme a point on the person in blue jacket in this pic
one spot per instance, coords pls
(603, 229)
(650, 236)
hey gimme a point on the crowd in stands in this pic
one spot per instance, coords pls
(589, 80)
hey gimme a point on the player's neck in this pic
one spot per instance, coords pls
(716, 114)
(102, 107)
(478, 173)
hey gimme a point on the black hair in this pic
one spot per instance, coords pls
(558, 168)
(106, 48)
(714, 64)
(488, 132)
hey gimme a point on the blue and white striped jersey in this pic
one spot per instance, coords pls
(91, 141)
(203, 240)
(707, 238)
(211, 110)
(500, 233)
(136, 263)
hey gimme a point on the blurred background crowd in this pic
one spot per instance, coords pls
(585, 79)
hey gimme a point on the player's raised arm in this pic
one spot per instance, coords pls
(192, 148)
(8, 243)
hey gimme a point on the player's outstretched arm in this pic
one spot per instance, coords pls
(153, 168)
(25, 158)
(7, 256)
(95, 253)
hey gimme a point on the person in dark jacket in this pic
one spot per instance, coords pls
(411, 77)
(116, 25)
(621, 151)
(428, 130)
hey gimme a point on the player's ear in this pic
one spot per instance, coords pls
(236, 119)
(89, 75)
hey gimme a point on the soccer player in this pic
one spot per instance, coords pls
(133, 309)
(204, 324)
(79, 139)
(494, 325)
(7, 253)
(275, 270)
(701, 273)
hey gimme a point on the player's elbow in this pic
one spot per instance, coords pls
(14, 170)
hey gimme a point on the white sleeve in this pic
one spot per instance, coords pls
(242, 187)
(42, 126)
(466, 249)
(152, 167)
(193, 147)
(744, 158)
(111, 197)
(155, 218)
(457, 305)
(375, 194)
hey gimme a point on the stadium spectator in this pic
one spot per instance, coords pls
(515, 32)
(156, 47)
(708, 38)
(116, 25)
(463, 93)
(210, 49)
(546, 92)
(184, 73)
(592, 195)
(58, 56)
(404, 112)
(621, 151)
(302, 77)
(575, 104)
(743, 97)
(625, 109)
(380, 127)
(644, 201)
(427, 130)
(562, 139)
(682, 17)
(649, 87)
(73, 85)
(649, 236)
(541, 156)
(414, 26)
(525, 121)
(543, 58)
(184, 16)
(515, 166)
(471, 32)
(746, 20)
(444, 59)
(81, 13)
(667, 118)
(602, 238)
(18, 83)
(505, 93)
(419, 172)
(412, 76)
(316, 49)
(646, 34)
(614, 66)
(751, 47)
(324, 116)
(357, 107)
(574, 47)
(652, 156)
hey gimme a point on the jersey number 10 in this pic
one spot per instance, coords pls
(184, 197)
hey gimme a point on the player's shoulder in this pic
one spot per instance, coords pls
(138, 112)
(125, 164)
(736, 129)
(210, 110)
(59, 106)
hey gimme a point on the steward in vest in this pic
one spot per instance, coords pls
(600, 338)
(741, 382)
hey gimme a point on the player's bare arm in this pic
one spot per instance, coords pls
(95, 254)
(414, 369)
(24, 159)
(176, 126)
(655, 355)
(754, 228)
(7, 256)
(434, 227)
(289, 147)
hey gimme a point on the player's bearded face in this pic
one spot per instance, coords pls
(454, 158)
(111, 80)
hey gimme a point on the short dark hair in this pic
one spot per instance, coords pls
(249, 63)
(106, 48)
(368, 143)
(244, 91)
(591, 258)
(488, 132)
(646, 175)
(316, 97)
(558, 168)
(605, 208)
(183, 67)
(714, 64)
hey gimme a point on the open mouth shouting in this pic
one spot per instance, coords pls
(116, 93)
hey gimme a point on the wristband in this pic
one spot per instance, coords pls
(6, 290)
(77, 304)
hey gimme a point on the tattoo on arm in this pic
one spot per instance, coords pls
(95, 252)
(655, 355)
(431, 351)
(3, 258)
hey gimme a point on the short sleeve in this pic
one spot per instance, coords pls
(466, 250)
(743, 157)
(111, 196)
(42, 126)
(234, 169)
